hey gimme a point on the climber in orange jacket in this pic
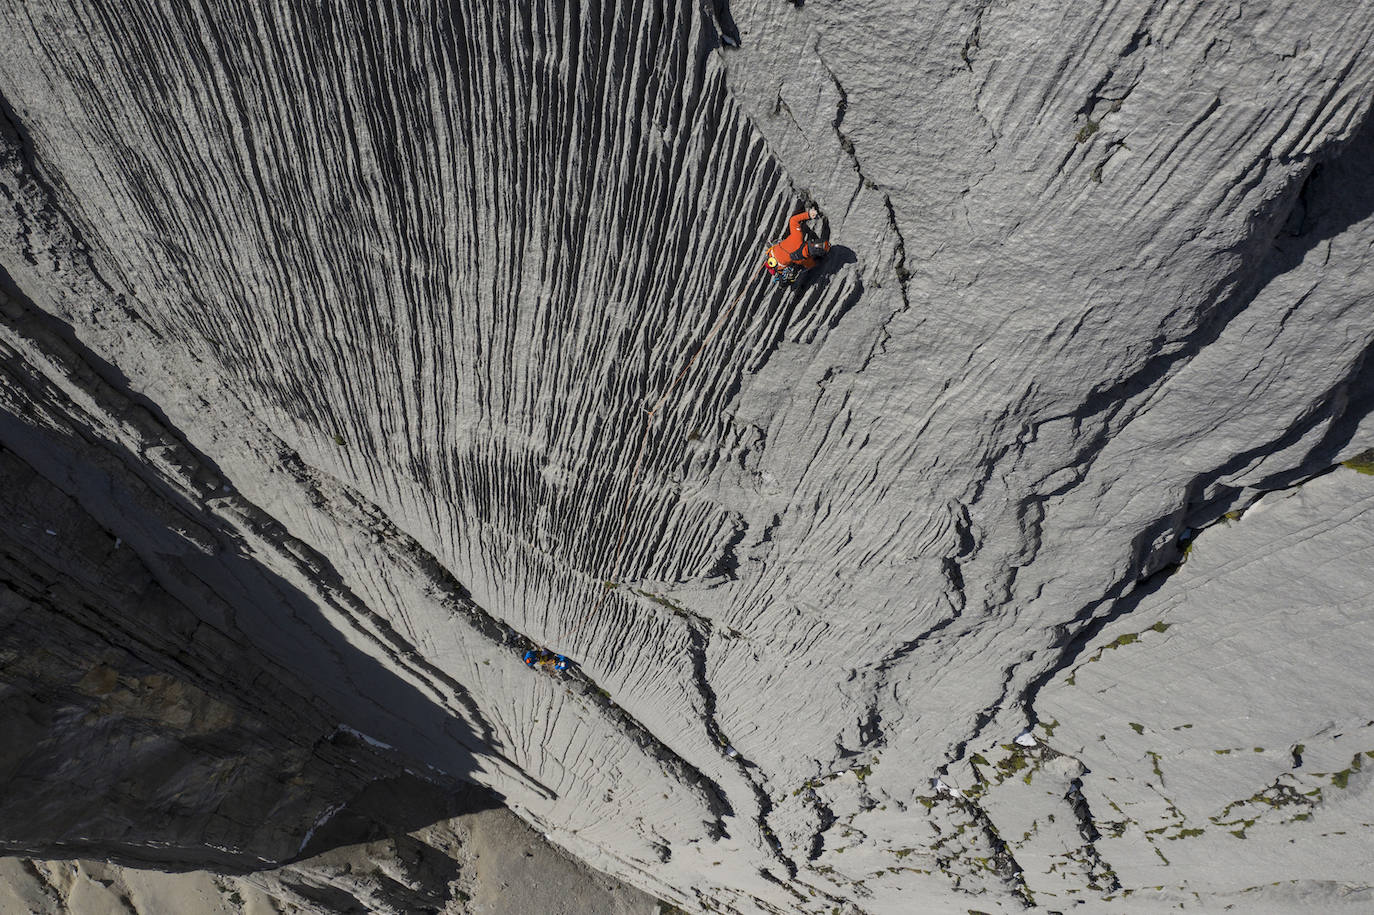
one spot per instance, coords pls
(799, 251)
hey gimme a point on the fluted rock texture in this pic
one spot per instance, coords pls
(374, 333)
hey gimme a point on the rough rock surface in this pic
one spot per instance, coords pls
(342, 321)
(483, 863)
(1233, 703)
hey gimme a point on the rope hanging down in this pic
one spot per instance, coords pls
(644, 443)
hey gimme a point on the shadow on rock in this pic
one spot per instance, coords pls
(182, 703)
(821, 275)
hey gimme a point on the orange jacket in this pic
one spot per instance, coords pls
(792, 249)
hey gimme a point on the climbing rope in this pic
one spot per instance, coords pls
(617, 562)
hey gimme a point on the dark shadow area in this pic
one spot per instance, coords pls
(119, 583)
(390, 808)
(330, 899)
(727, 32)
(1359, 396)
(821, 275)
(1336, 193)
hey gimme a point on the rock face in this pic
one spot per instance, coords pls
(1264, 734)
(351, 349)
(482, 863)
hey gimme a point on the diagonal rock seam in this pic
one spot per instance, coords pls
(1149, 560)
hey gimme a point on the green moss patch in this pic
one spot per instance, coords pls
(1362, 462)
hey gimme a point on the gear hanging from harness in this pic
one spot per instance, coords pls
(543, 658)
(783, 273)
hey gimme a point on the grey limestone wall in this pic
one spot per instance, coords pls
(362, 307)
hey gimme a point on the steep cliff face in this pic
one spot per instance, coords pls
(390, 340)
(141, 729)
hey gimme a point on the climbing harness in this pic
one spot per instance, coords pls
(786, 275)
(780, 272)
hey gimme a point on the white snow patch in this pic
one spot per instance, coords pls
(323, 818)
(941, 787)
(363, 737)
